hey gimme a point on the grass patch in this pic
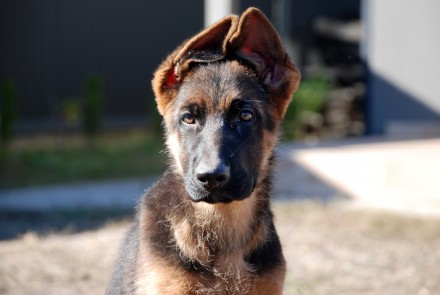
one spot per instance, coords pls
(51, 160)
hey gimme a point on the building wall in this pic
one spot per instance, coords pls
(49, 47)
(401, 48)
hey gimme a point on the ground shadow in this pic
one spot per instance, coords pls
(16, 223)
(295, 182)
(387, 102)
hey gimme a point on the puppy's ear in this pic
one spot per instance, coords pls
(257, 42)
(207, 46)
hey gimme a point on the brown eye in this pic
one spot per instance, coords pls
(246, 116)
(188, 119)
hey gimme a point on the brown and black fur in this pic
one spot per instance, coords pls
(206, 226)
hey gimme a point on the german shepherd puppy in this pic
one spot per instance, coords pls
(206, 226)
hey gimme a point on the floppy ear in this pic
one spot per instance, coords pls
(207, 46)
(257, 42)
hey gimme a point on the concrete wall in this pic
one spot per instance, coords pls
(401, 48)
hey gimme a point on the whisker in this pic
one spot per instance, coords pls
(233, 153)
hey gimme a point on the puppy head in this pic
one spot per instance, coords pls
(222, 95)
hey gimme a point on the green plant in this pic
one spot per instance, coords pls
(131, 153)
(70, 111)
(8, 113)
(308, 99)
(92, 105)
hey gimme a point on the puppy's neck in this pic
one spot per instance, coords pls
(230, 222)
(219, 230)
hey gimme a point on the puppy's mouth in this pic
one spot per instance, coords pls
(220, 195)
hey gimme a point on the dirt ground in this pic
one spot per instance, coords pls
(330, 249)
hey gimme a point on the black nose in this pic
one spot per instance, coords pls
(213, 178)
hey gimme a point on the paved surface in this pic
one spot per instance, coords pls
(103, 194)
(398, 175)
(390, 174)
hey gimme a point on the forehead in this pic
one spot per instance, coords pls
(215, 86)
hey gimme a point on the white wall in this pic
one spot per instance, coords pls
(402, 45)
(216, 9)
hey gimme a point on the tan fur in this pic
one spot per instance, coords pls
(270, 283)
(270, 140)
(228, 225)
(232, 277)
(154, 277)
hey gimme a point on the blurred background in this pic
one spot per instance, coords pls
(358, 160)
